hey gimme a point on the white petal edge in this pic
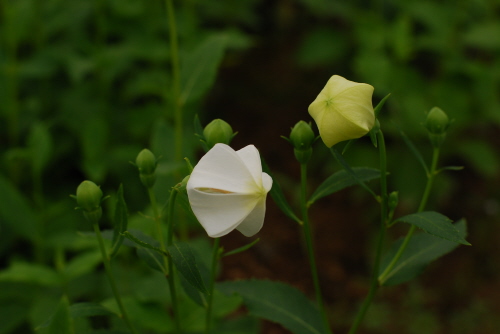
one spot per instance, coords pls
(219, 214)
(221, 168)
(251, 158)
(253, 223)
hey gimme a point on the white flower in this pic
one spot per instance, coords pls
(227, 190)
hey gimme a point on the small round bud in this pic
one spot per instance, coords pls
(393, 200)
(437, 121)
(146, 163)
(218, 131)
(436, 124)
(302, 136)
(88, 197)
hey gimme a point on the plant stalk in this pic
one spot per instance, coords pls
(382, 229)
(213, 273)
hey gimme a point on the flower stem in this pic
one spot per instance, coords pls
(213, 273)
(382, 229)
(170, 265)
(423, 202)
(309, 243)
(112, 282)
(174, 63)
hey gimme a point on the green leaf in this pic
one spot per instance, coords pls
(415, 151)
(40, 144)
(144, 244)
(242, 248)
(147, 249)
(61, 321)
(340, 159)
(421, 250)
(88, 310)
(184, 260)
(199, 68)
(278, 196)
(436, 224)
(120, 222)
(82, 264)
(380, 105)
(15, 211)
(30, 273)
(279, 303)
(342, 179)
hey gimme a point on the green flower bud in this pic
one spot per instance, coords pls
(437, 124)
(146, 163)
(437, 121)
(218, 131)
(302, 136)
(89, 197)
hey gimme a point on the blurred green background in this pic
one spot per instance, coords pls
(85, 85)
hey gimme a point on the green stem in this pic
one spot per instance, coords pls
(112, 282)
(382, 229)
(423, 203)
(215, 261)
(174, 62)
(309, 243)
(170, 274)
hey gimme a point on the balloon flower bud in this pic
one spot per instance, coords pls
(146, 163)
(88, 197)
(227, 190)
(302, 137)
(218, 131)
(437, 124)
(343, 110)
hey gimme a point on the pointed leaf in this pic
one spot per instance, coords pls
(242, 248)
(380, 105)
(415, 151)
(88, 310)
(279, 303)
(147, 249)
(141, 243)
(278, 196)
(342, 179)
(199, 68)
(40, 144)
(436, 224)
(61, 321)
(15, 211)
(120, 222)
(422, 249)
(184, 260)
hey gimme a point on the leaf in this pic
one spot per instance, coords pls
(415, 151)
(143, 244)
(184, 260)
(278, 302)
(82, 264)
(120, 222)
(342, 179)
(40, 144)
(278, 196)
(421, 250)
(88, 310)
(242, 248)
(380, 105)
(199, 68)
(15, 211)
(340, 159)
(61, 321)
(147, 249)
(436, 224)
(30, 273)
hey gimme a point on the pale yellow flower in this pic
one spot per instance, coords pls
(343, 110)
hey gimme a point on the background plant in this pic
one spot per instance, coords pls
(84, 87)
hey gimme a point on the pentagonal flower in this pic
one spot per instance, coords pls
(227, 190)
(343, 110)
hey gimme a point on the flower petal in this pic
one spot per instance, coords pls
(267, 182)
(252, 224)
(221, 213)
(251, 158)
(221, 168)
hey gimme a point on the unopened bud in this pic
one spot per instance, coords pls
(89, 197)
(437, 124)
(146, 163)
(218, 131)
